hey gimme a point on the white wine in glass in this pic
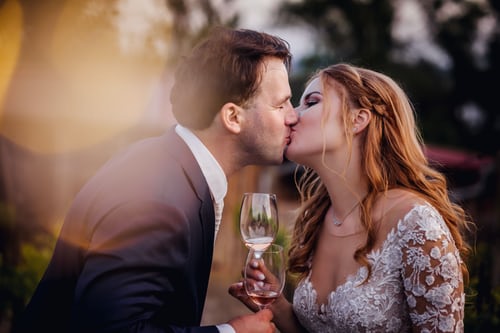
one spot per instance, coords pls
(258, 220)
(271, 262)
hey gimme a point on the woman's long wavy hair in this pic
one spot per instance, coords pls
(393, 157)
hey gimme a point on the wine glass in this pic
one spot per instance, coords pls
(271, 263)
(258, 220)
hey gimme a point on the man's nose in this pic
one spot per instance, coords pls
(298, 111)
(292, 116)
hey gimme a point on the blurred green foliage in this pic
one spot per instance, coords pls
(21, 264)
(17, 283)
(482, 310)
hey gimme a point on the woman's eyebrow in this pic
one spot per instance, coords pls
(311, 93)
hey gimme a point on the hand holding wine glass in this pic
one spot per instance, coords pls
(270, 263)
(258, 220)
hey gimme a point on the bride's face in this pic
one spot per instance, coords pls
(320, 128)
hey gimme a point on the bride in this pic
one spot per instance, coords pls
(377, 245)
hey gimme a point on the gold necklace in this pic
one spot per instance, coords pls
(338, 222)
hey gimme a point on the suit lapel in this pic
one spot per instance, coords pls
(178, 149)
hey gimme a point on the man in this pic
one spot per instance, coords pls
(135, 250)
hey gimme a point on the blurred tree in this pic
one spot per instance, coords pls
(452, 89)
(470, 34)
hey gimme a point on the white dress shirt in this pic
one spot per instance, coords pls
(216, 180)
(211, 169)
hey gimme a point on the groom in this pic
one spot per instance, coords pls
(135, 250)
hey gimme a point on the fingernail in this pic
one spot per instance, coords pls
(254, 264)
(261, 276)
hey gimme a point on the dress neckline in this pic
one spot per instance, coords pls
(360, 274)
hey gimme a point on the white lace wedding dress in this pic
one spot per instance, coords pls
(415, 275)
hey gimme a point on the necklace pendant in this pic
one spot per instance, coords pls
(336, 222)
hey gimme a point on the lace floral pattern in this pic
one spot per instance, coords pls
(416, 281)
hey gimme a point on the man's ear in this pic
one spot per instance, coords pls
(231, 116)
(361, 119)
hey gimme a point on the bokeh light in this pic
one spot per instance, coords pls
(77, 73)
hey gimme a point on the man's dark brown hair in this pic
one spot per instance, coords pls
(225, 67)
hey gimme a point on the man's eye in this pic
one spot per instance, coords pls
(284, 105)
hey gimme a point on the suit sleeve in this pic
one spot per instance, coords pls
(138, 274)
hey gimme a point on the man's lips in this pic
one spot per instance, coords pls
(289, 137)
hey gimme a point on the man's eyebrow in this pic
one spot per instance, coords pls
(284, 99)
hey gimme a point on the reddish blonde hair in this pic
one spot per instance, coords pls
(392, 158)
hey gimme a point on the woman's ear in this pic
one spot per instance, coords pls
(231, 116)
(361, 119)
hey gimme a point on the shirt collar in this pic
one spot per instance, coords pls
(211, 169)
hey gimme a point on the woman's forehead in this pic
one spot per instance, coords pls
(314, 85)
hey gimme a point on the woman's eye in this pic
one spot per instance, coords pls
(310, 102)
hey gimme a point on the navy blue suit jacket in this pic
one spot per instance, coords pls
(135, 250)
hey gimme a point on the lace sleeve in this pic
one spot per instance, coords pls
(431, 272)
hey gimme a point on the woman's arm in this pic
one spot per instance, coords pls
(284, 317)
(432, 275)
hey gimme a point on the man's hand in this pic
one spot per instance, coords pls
(259, 322)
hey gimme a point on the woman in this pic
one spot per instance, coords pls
(377, 246)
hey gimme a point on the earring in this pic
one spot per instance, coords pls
(355, 129)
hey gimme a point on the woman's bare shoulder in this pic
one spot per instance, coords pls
(393, 206)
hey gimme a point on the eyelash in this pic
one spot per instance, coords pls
(310, 103)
